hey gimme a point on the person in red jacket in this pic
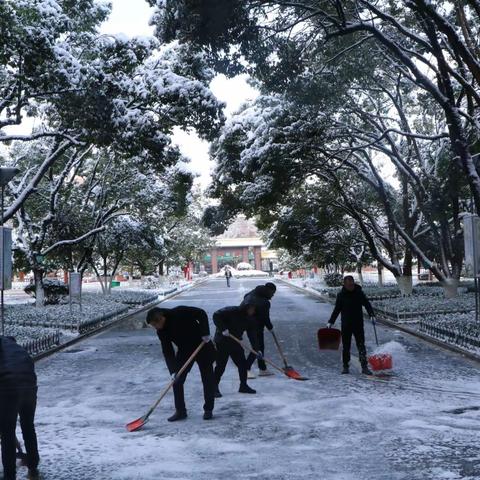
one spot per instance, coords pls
(350, 302)
(185, 327)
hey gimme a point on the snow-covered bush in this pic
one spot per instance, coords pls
(244, 266)
(134, 297)
(55, 291)
(458, 329)
(420, 305)
(333, 279)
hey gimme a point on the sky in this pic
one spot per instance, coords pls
(131, 17)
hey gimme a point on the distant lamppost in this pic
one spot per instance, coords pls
(6, 174)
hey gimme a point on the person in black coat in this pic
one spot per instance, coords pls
(350, 302)
(261, 296)
(235, 321)
(18, 397)
(185, 327)
(228, 275)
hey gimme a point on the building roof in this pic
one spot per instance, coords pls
(239, 242)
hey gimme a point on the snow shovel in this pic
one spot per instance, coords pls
(140, 422)
(379, 361)
(329, 338)
(288, 370)
(250, 349)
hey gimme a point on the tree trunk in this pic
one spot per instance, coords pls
(39, 290)
(105, 277)
(161, 268)
(405, 284)
(450, 287)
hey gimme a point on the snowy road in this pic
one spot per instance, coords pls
(423, 424)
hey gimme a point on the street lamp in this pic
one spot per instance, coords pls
(6, 174)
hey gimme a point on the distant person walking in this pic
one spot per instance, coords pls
(228, 275)
(350, 302)
(18, 397)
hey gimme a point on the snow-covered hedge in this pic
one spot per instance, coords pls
(458, 329)
(134, 297)
(94, 305)
(333, 279)
(95, 309)
(391, 291)
(54, 291)
(35, 340)
(420, 305)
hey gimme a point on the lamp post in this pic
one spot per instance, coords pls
(6, 174)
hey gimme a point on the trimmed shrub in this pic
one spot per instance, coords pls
(333, 279)
(54, 290)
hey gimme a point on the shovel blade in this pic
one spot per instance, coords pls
(292, 373)
(136, 424)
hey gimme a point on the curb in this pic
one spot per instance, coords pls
(103, 328)
(396, 326)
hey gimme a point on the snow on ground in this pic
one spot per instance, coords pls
(421, 424)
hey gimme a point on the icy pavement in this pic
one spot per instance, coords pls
(422, 424)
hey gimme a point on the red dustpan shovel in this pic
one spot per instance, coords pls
(288, 370)
(379, 361)
(140, 422)
(329, 338)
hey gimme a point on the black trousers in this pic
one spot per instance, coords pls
(260, 341)
(204, 359)
(20, 402)
(228, 281)
(229, 348)
(355, 330)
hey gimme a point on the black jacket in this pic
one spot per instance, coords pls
(184, 327)
(260, 296)
(350, 304)
(16, 366)
(236, 321)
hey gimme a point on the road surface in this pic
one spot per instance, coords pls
(422, 424)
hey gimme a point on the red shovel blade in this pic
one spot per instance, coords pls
(292, 373)
(380, 361)
(136, 424)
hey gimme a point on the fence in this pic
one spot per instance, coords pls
(42, 344)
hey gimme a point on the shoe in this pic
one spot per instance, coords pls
(246, 389)
(33, 474)
(366, 370)
(251, 375)
(177, 416)
(207, 415)
(217, 394)
(345, 369)
(265, 373)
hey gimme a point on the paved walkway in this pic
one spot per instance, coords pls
(421, 425)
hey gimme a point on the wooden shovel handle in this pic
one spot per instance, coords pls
(250, 349)
(280, 351)
(170, 385)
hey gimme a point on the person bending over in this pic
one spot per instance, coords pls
(185, 327)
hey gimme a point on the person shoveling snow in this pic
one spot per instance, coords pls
(349, 303)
